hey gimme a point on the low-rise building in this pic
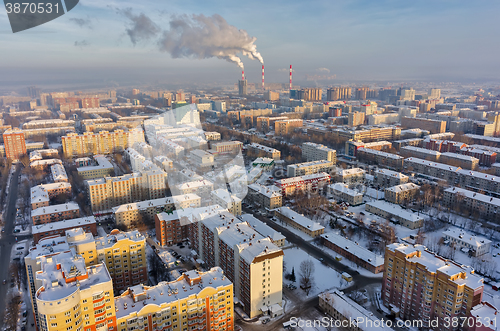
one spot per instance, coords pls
(41, 194)
(478, 204)
(265, 163)
(59, 228)
(460, 239)
(58, 173)
(269, 197)
(226, 147)
(395, 213)
(306, 183)
(202, 188)
(390, 160)
(201, 159)
(42, 164)
(353, 252)
(350, 176)
(342, 192)
(460, 160)
(308, 168)
(421, 153)
(316, 152)
(299, 221)
(400, 194)
(227, 201)
(482, 316)
(388, 178)
(132, 212)
(55, 213)
(103, 168)
(264, 151)
(440, 171)
(349, 315)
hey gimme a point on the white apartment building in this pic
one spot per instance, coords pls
(350, 176)
(308, 168)
(201, 159)
(316, 152)
(58, 173)
(342, 192)
(469, 242)
(226, 200)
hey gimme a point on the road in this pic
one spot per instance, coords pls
(8, 240)
(359, 280)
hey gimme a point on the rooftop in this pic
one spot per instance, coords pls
(271, 191)
(262, 228)
(116, 236)
(390, 173)
(344, 188)
(460, 156)
(465, 237)
(384, 154)
(431, 164)
(55, 209)
(156, 203)
(403, 187)
(395, 210)
(64, 224)
(300, 219)
(350, 172)
(473, 195)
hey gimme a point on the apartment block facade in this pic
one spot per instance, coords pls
(293, 185)
(14, 143)
(266, 151)
(402, 193)
(269, 197)
(317, 152)
(308, 168)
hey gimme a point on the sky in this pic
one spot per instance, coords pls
(324, 40)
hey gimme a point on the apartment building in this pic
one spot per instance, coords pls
(106, 193)
(433, 126)
(132, 212)
(226, 200)
(402, 193)
(479, 204)
(73, 295)
(55, 213)
(347, 313)
(381, 158)
(14, 143)
(269, 197)
(41, 194)
(253, 263)
(264, 230)
(424, 286)
(264, 123)
(308, 168)
(485, 157)
(163, 162)
(226, 147)
(194, 301)
(317, 152)
(42, 153)
(104, 142)
(306, 183)
(395, 213)
(473, 244)
(368, 135)
(201, 187)
(201, 159)
(441, 171)
(58, 173)
(342, 192)
(353, 252)
(350, 176)
(42, 164)
(285, 127)
(212, 136)
(169, 148)
(300, 222)
(460, 160)
(103, 168)
(59, 228)
(265, 151)
(170, 230)
(421, 153)
(352, 146)
(388, 178)
(36, 124)
(479, 181)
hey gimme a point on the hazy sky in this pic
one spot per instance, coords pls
(351, 39)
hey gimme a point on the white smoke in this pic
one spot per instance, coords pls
(203, 37)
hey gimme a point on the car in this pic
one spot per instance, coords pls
(181, 246)
(25, 313)
(4, 282)
(19, 248)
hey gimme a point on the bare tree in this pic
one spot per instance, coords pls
(306, 275)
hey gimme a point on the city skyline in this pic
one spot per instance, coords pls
(358, 40)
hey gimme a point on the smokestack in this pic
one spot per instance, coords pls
(262, 77)
(290, 76)
(242, 74)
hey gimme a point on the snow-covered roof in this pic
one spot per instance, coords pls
(431, 164)
(262, 228)
(225, 196)
(344, 188)
(435, 263)
(55, 209)
(311, 164)
(460, 157)
(115, 237)
(58, 172)
(311, 177)
(486, 314)
(390, 173)
(102, 162)
(395, 210)
(461, 235)
(300, 219)
(479, 175)
(473, 195)
(350, 172)
(191, 283)
(39, 194)
(350, 309)
(263, 148)
(384, 154)
(271, 191)
(353, 247)
(64, 224)
(263, 160)
(420, 150)
(156, 202)
(46, 162)
(402, 187)
(195, 184)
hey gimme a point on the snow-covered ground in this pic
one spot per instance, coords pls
(325, 278)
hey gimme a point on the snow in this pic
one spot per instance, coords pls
(325, 278)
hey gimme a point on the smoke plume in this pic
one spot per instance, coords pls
(203, 37)
(140, 27)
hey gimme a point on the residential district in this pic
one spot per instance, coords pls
(251, 208)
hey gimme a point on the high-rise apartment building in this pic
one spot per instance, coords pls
(424, 286)
(253, 263)
(242, 87)
(434, 93)
(310, 94)
(271, 96)
(104, 142)
(15, 146)
(338, 93)
(356, 118)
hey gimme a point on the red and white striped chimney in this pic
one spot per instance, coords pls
(290, 76)
(242, 74)
(262, 77)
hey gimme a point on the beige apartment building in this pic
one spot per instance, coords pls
(317, 152)
(299, 222)
(380, 158)
(342, 192)
(285, 127)
(266, 151)
(308, 168)
(402, 193)
(388, 178)
(350, 176)
(267, 196)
